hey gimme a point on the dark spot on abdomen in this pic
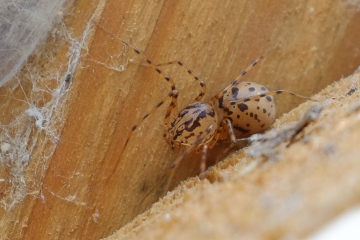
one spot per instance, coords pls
(234, 92)
(243, 107)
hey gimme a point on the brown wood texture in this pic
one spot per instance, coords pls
(294, 190)
(92, 185)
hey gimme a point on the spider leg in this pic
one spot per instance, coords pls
(173, 96)
(192, 147)
(172, 110)
(217, 135)
(232, 134)
(219, 95)
(190, 72)
(204, 148)
(267, 94)
(148, 61)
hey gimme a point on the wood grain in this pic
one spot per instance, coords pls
(294, 189)
(307, 45)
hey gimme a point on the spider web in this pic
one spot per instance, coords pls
(37, 97)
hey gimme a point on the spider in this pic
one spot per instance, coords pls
(239, 110)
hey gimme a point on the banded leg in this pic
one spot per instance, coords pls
(230, 132)
(232, 135)
(171, 113)
(190, 72)
(148, 61)
(267, 96)
(173, 96)
(214, 99)
(192, 147)
(173, 107)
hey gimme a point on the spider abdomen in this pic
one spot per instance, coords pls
(253, 116)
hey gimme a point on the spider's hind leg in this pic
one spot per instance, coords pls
(204, 147)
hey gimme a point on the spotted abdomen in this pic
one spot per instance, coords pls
(192, 122)
(251, 116)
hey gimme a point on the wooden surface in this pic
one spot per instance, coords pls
(292, 191)
(92, 185)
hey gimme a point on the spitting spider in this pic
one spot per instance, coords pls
(239, 110)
